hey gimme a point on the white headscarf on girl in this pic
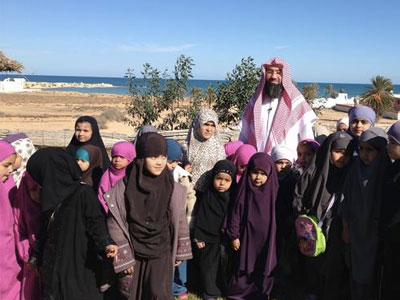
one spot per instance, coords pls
(23, 147)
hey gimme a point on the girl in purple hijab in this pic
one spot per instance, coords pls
(27, 226)
(250, 225)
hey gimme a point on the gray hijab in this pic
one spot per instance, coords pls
(362, 198)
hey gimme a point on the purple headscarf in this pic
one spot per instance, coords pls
(394, 132)
(252, 219)
(313, 144)
(231, 147)
(362, 112)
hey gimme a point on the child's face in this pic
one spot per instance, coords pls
(119, 162)
(83, 131)
(83, 164)
(171, 165)
(339, 158)
(222, 182)
(35, 193)
(241, 169)
(283, 166)
(304, 155)
(18, 161)
(258, 177)
(393, 149)
(7, 166)
(367, 153)
(207, 130)
(342, 127)
(155, 165)
(358, 126)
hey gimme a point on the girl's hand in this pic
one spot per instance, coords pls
(235, 244)
(112, 251)
(200, 245)
(129, 271)
(188, 168)
(177, 263)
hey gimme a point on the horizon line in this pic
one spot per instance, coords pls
(121, 77)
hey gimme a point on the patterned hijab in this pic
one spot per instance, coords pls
(23, 147)
(203, 154)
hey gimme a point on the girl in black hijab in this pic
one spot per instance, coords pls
(87, 132)
(74, 228)
(320, 184)
(212, 250)
(147, 219)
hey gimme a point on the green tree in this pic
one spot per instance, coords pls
(196, 98)
(380, 96)
(310, 93)
(234, 94)
(174, 94)
(210, 96)
(342, 90)
(330, 91)
(144, 107)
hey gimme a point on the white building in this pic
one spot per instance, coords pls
(10, 85)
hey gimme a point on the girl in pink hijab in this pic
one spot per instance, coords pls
(9, 284)
(27, 224)
(241, 158)
(230, 149)
(122, 153)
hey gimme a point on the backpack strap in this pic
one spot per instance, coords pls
(331, 202)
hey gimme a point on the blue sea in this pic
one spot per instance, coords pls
(120, 85)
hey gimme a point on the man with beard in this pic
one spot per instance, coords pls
(277, 114)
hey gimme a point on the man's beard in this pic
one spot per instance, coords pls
(273, 90)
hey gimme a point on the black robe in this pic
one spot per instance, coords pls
(390, 231)
(73, 228)
(76, 233)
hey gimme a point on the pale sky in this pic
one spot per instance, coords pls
(337, 41)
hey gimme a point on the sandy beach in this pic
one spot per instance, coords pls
(58, 110)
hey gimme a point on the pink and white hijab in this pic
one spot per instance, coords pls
(292, 118)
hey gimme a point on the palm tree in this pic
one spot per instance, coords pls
(9, 65)
(380, 96)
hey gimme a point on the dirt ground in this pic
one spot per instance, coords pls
(57, 111)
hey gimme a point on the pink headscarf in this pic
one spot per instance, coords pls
(285, 117)
(111, 176)
(242, 157)
(6, 150)
(9, 284)
(231, 147)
